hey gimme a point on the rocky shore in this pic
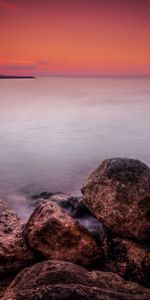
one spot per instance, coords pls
(91, 247)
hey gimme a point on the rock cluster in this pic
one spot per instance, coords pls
(107, 231)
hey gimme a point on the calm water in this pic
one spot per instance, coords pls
(55, 131)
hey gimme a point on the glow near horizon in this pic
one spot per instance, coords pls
(75, 37)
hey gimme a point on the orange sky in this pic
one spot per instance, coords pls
(75, 37)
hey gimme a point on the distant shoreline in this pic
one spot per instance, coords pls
(16, 77)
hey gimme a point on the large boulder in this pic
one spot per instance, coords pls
(14, 254)
(56, 235)
(127, 258)
(118, 194)
(63, 280)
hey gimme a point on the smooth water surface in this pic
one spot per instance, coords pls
(55, 131)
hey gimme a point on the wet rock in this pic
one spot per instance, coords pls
(55, 234)
(14, 254)
(127, 258)
(75, 207)
(64, 280)
(77, 210)
(118, 194)
(36, 199)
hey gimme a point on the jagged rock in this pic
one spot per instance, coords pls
(63, 280)
(14, 254)
(118, 194)
(55, 234)
(127, 258)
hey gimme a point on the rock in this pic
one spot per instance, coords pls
(63, 280)
(55, 234)
(75, 207)
(118, 194)
(14, 254)
(127, 258)
(77, 210)
(36, 199)
(4, 283)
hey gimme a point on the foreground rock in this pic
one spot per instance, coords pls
(127, 258)
(75, 207)
(56, 235)
(14, 254)
(64, 280)
(4, 283)
(118, 194)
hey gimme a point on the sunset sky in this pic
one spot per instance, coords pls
(75, 37)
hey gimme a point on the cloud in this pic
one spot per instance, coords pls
(43, 64)
(42, 67)
(30, 66)
(8, 5)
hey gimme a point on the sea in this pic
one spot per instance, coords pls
(55, 131)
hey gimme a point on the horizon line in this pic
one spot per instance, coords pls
(81, 75)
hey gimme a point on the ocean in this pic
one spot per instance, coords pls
(55, 131)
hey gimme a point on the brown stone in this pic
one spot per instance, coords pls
(14, 254)
(118, 194)
(63, 280)
(75, 207)
(56, 235)
(127, 258)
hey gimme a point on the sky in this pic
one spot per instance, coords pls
(75, 37)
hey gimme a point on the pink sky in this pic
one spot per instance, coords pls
(64, 37)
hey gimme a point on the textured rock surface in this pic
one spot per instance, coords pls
(75, 207)
(61, 280)
(14, 254)
(4, 283)
(128, 259)
(118, 194)
(52, 232)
